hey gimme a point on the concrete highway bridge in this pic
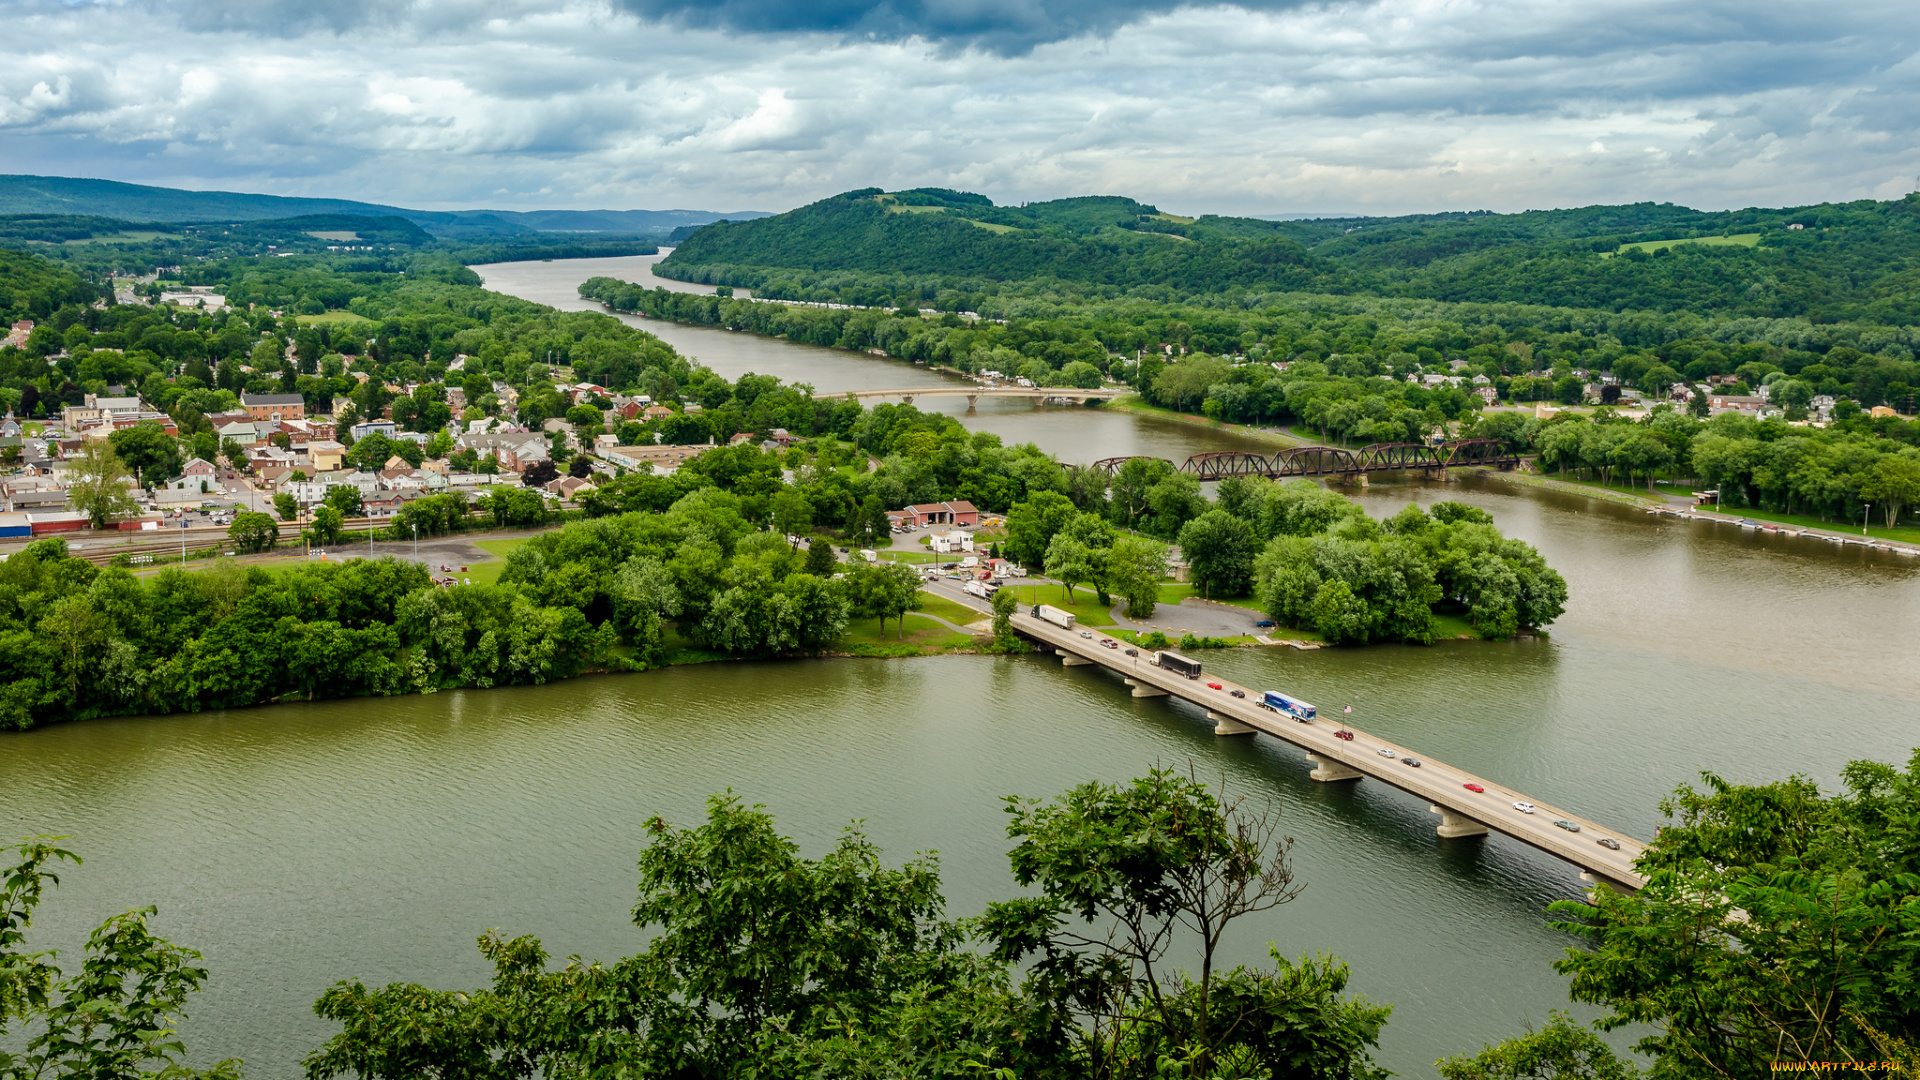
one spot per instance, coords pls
(1339, 461)
(1462, 811)
(1039, 395)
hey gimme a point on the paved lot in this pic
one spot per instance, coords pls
(1198, 618)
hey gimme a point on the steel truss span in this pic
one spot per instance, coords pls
(1338, 461)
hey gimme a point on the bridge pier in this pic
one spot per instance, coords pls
(1227, 725)
(1327, 769)
(971, 400)
(906, 399)
(1068, 659)
(1141, 689)
(1592, 879)
(1362, 481)
(1452, 824)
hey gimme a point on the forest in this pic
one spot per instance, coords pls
(1852, 262)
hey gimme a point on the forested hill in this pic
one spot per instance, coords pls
(1855, 261)
(72, 196)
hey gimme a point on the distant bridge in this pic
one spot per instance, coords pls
(1337, 461)
(1039, 395)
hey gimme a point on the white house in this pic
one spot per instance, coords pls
(950, 542)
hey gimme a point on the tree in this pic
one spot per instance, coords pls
(886, 590)
(820, 559)
(1004, 606)
(97, 485)
(539, 474)
(792, 514)
(345, 499)
(1563, 1050)
(148, 450)
(1777, 924)
(1893, 483)
(1135, 567)
(327, 524)
(1119, 873)
(1220, 549)
(580, 467)
(117, 1017)
(1031, 525)
(285, 506)
(1068, 563)
(253, 531)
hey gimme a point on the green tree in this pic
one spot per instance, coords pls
(1004, 607)
(345, 498)
(1563, 1050)
(1135, 568)
(1121, 872)
(285, 506)
(1220, 549)
(253, 531)
(886, 590)
(98, 485)
(1777, 924)
(1893, 484)
(1069, 563)
(117, 1018)
(328, 523)
(820, 558)
(148, 450)
(1032, 524)
(792, 514)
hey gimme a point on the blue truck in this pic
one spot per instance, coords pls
(1281, 703)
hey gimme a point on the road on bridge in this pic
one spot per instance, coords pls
(1443, 786)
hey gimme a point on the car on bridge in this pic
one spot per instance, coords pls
(1609, 843)
(1524, 807)
(1475, 788)
(1567, 825)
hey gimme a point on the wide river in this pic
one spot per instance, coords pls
(374, 840)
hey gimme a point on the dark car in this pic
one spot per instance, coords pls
(1413, 761)
(1264, 624)
(1238, 693)
(1133, 652)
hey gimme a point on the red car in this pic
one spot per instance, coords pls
(1343, 734)
(1475, 788)
(1213, 686)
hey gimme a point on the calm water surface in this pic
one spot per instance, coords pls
(302, 844)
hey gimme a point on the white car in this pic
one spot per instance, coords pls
(1384, 752)
(1524, 807)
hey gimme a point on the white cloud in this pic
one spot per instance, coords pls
(1390, 106)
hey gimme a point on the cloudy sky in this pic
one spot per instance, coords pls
(1264, 108)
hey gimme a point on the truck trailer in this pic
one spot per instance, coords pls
(1062, 619)
(1294, 707)
(980, 589)
(1173, 661)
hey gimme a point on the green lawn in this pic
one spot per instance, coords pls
(1651, 246)
(1085, 607)
(916, 557)
(488, 573)
(864, 638)
(949, 610)
(334, 317)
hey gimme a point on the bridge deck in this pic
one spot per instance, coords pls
(1440, 784)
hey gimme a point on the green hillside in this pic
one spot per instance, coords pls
(60, 196)
(1855, 261)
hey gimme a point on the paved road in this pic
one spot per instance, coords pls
(1442, 785)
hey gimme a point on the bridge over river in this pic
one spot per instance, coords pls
(1462, 811)
(1338, 461)
(1039, 395)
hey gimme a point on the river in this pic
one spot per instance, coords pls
(301, 844)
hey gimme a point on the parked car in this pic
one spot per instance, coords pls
(1567, 825)
(1524, 807)
(1475, 788)
(1264, 624)
(1609, 843)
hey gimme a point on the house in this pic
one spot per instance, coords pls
(275, 407)
(567, 486)
(515, 450)
(241, 432)
(197, 476)
(1487, 394)
(655, 412)
(959, 512)
(1749, 406)
(949, 542)
(17, 337)
(327, 455)
(373, 427)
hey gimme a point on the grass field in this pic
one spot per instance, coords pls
(1651, 246)
(488, 573)
(335, 318)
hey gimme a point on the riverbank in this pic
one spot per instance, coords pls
(1134, 403)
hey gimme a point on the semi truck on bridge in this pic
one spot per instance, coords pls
(1173, 661)
(1048, 613)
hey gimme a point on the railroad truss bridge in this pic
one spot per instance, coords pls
(1338, 461)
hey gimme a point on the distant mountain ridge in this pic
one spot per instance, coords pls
(22, 194)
